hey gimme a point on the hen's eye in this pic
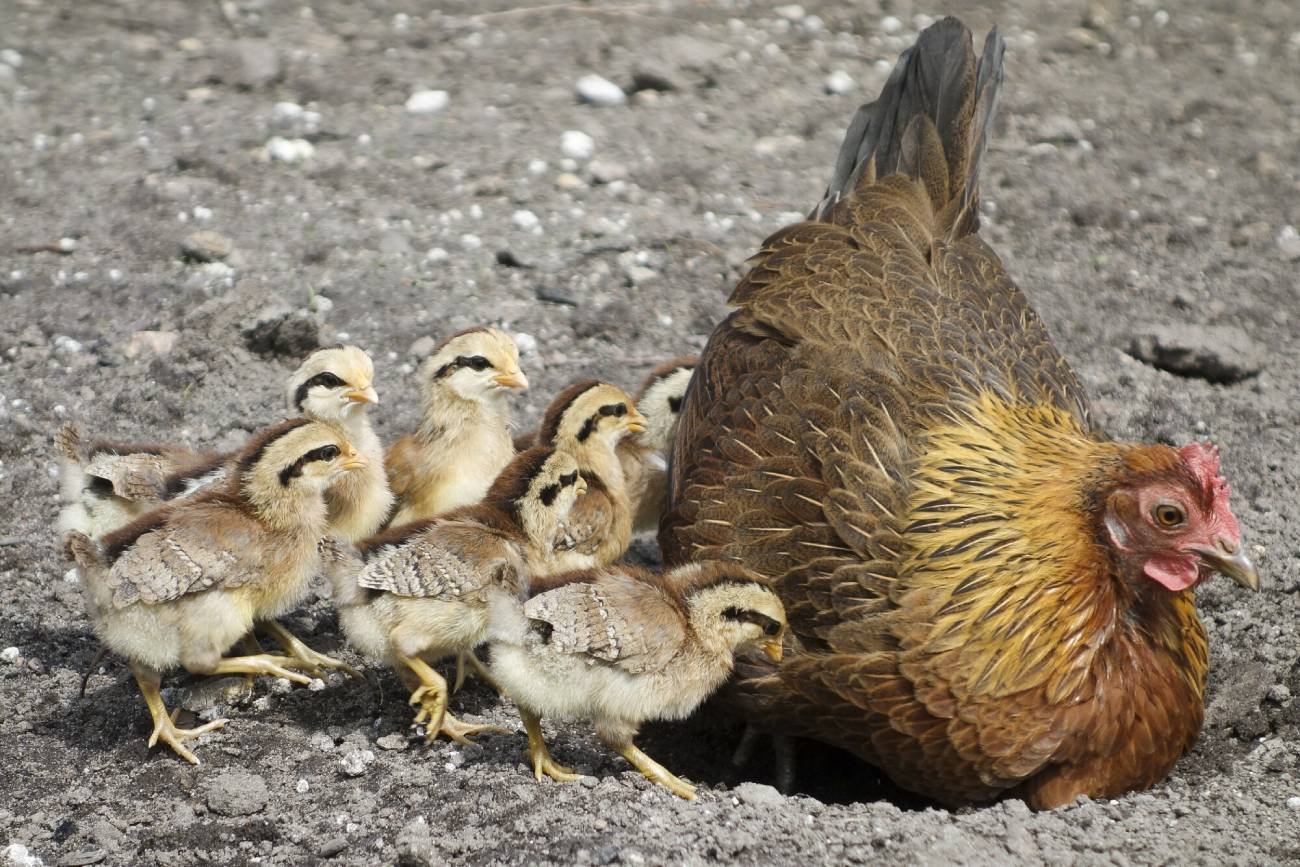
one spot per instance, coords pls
(1168, 515)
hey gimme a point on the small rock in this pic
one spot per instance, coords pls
(288, 150)
(236, 793)
(322, 742)
(470, 241)
(65, 345)
(1058, 128)
(18, 855)
(638, 274)
(1279, 693)
(10, 655)
(427, 101)
(1293, 803)
(321, 304)
(606, 171)
(355, 762)
(392, 741)
(759, 795)
(790, 12)
(577, 144)
(206, 246)
(598, 90)
(1288, 243)
(9, 57)
(1251, 234)
(415, 844)
(251, 64)
(302, 787)
(332, 847)
(422, 347)
(890, 24)
(1265, 165)
(569, 181)
(437, 254)
(154, 343)
(526, 220)
(1215, 353)
(526, 343)
(838, 82)
(82, 858)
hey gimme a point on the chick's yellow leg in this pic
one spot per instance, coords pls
(471, 663)
(164, 724)
(306, 659)
(654, 772)
(430, 696)
(540, 756)
(268, 664)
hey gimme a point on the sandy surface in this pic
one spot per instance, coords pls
(1143, 177)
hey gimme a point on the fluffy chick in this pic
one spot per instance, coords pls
(620, 646)
(182, 584)
(588, 420)
(644, 456)
(463, 440)
(426, 590)
(336, 385)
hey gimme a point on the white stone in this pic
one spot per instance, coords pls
(1161, 18)
(790, 12)
(289, 150)
(302, 787)
(18, 855)
(9, 654)
(471, 242)
(890, 24)
(577, 144)
(321, 304)
(839, 82)
(1288, 242)
(599, 90)
(1293, 803)
(427, 101)
(526, 220)
(437, 254)
(65, 345)
(286, 111)
(527, 343)
(536, 167)
(11, 58)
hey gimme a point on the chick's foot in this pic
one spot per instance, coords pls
(655, 772)
(306, 659)
(540, 757)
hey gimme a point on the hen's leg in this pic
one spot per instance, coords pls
(540, 756)
(307, 659)
(164, 725)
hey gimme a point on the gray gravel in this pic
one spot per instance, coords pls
(1143, 182)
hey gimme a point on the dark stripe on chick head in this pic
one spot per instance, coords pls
(561, 403)
(294, 470)
(473, 362)
(511, 485)
(325, 378)
(261, 441)
(769, 625)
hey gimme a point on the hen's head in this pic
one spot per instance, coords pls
(1167, 516)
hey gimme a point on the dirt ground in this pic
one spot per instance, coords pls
(1142, 188)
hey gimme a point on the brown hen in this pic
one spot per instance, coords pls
(986, 595)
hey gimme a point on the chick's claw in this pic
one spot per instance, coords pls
(165, 730)
(462, 733)
(311, 661)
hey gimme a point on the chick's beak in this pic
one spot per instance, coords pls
(354, 461)
(772, 649)
(515, 380)
(635, 422)
(362, 395)
(1228, 558)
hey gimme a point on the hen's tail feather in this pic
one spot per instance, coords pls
(931, 122)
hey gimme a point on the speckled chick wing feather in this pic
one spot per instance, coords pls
(884, 430)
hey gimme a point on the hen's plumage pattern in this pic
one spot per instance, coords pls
(881, 428)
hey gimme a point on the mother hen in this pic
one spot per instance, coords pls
(986, 595)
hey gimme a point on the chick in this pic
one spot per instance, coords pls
(588, 420)
(107, 485)
(180, 585)
(645, 456)
(620, 646)
(336, 385)
(463, 440)
(426, 590)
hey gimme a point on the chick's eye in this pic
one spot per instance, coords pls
(1168, 515)
(474, 362)
(772, 628)
(328, 453)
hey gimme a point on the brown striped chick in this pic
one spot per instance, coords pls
(463, 441)
(423, 591)
(645, 456)
(620, 646)
(589, 420)
(182, 584)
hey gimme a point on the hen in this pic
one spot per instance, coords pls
(986, 595)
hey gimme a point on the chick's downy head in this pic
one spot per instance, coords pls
(480, 365)
(1167, 517)
(590, 411)
(294, 459)
(539, 487)
(660, 400)
(332, 384)
(731, 607)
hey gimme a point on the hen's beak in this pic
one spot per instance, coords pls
(362, 395)
(515, 381)
(1228, 558)
(773, 650)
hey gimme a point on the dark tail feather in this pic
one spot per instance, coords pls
(930, 122)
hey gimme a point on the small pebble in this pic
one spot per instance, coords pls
(471, 242)
(289, 150)
(9, 57)
(302, 787)
(10, 654)
(838, 82)
(598, 90)
(577, 144)
(427, 101)
(526, 220)
(1293, 803)
(437, 254)
(392, 741)
(527, 343)
(790, 12)
(890, 24)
